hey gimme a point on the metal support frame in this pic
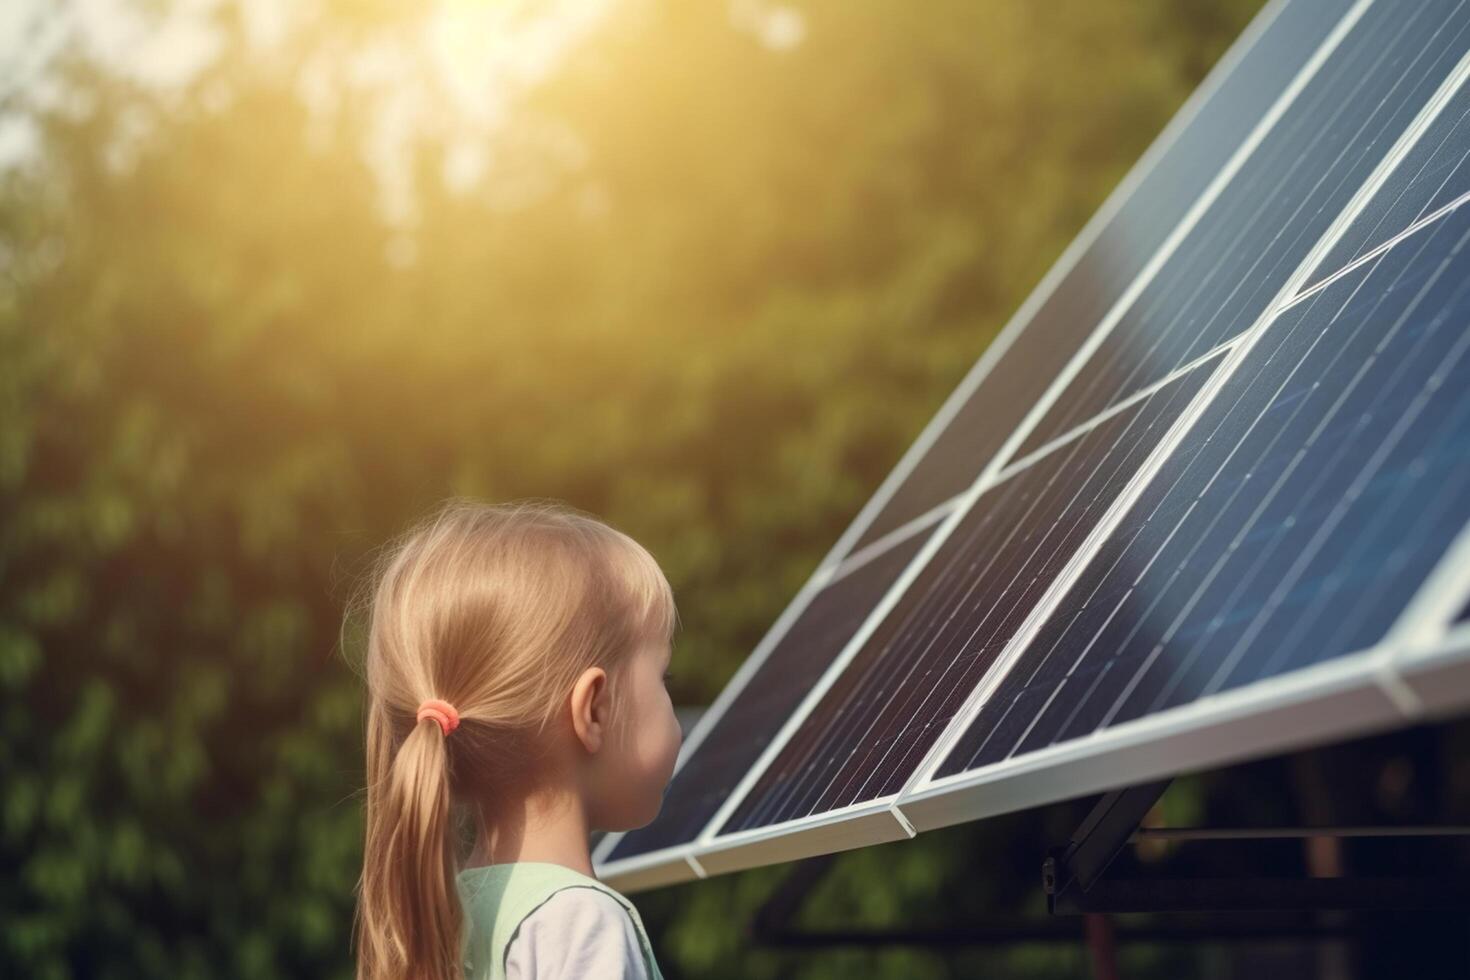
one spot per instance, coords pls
(1073, 876)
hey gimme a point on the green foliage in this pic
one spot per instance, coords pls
(718, 323)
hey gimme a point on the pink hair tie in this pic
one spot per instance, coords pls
(441, 711)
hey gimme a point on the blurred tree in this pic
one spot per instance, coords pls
(718, 269)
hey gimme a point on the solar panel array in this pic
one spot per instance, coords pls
(1205, 497)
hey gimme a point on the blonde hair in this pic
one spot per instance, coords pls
(496, 609)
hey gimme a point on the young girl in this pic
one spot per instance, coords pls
(515, 668)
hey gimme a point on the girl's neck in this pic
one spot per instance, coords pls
(549, 828)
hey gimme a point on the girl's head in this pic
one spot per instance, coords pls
(549, 632)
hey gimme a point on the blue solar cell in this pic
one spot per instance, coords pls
(1103, 271)
(1434, 174)
(1315, 494)
(871, 729)
(755, 715)
(1267, 220)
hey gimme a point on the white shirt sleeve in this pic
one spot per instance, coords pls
(577, 932)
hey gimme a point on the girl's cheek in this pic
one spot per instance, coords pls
(673, 739)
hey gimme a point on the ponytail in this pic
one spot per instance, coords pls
(410, 923)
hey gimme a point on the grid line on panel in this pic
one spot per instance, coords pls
(1434, 172)
(1274, 211)
(1376, 252)
(1142, 394)
(893, 538)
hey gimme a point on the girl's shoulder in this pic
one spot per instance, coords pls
(499, 897)
(577, 932)
(512, 891)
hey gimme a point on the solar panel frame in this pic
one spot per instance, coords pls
(1399, 679)
(1441, 601)
(1431, 657)
(1435, 673)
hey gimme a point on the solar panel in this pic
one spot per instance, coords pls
(1221, 507)
(967, 433)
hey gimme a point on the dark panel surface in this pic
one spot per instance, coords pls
(873, 726)
(1433, 173)
(1315, 494)
(1104, 270)
(1266, 221)
(794, 665)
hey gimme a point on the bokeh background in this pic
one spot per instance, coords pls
(276, 277)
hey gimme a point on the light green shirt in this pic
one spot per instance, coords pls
(498, 898)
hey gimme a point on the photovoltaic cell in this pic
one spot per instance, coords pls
(1102, 273)
(1325, 481)
(871, 729)
(1433, 175)
(792, 668)
(1233, 263)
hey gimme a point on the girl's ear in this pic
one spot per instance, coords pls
(590, 708)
